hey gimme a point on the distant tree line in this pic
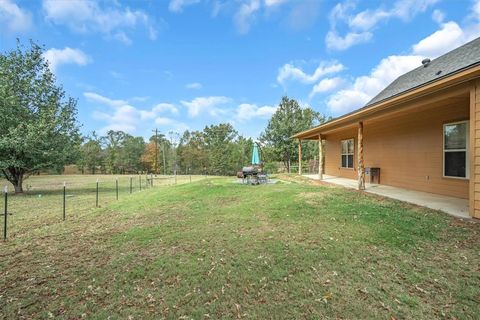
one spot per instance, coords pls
(217, 149)
(39, 131)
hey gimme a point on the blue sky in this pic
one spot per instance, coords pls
(184, 64)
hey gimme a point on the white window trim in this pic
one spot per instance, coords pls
(467, 151)
(347, 154)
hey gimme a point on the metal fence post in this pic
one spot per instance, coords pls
(140, 181)
(116, 187)
(64, 198)
(96, 198)
(5, 216)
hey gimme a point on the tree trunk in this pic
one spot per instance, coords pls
(18, 188)
(15, 176)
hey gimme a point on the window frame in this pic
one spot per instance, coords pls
(347, 154)
(466, 150)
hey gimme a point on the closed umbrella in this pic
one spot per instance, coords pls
(255, 155)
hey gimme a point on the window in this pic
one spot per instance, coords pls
(347, 153)
(455, 155)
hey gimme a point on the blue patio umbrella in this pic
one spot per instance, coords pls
(255, 155)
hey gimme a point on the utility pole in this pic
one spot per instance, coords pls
(174, 136)
(156, 150)
(164, 163)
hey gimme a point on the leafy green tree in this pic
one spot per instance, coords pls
(242, 152)
(112, 143)
(192, 152)
(131, 153)
(38, 127)
(91, 154)
(288, 120)
(221, 142)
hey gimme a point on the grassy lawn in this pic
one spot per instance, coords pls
(215, 249)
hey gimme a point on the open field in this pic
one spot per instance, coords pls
(42, 204)
(216, 249)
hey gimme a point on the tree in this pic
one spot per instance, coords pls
(91, 154)
(131, 153)
(192, 152)
(156, 151)
(220, 141)
(38, 127)
(288, 120)
(113, 142)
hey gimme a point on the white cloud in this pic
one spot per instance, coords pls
(162, 121)
(272, 3)
(194, 85)
(139, 99)
(336, 42)
(247, 111)
(476, 9)
(361, 24)
(122, 37)
(246, 12)
(209, 105)
(126, 117)
(178, 5)
(244, 17)
(304, 13)
(95, 97)
(169, 124)
(13, 18)
(290, 72)
(365, 88)
(450, 36)
(165, 107)
(325, 85)
(56, 57)
(438, 16)
(88, 16)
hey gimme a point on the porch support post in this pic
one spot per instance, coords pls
(300, 156)
(361, 169)
(320, 157)
(474, 150)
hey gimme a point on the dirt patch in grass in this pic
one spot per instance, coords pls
(313, 198)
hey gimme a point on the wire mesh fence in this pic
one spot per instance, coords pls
(53, 199)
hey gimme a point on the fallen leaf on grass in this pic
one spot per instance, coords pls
(237, 306)
(364, 290)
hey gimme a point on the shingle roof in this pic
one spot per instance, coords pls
(451, 62)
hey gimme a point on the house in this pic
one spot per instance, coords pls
(422, 132)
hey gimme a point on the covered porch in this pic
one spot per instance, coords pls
(453, 206)
(406, 143)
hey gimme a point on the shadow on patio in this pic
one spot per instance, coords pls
(453, 206)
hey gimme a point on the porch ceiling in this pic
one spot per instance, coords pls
(451, 96)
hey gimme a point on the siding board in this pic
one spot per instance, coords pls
(408, 149)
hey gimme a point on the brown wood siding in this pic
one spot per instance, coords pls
(333, 154)
(408, 149)
(475, 150)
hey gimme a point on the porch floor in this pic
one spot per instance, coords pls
(454, 206)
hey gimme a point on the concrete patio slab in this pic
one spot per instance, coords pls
(453, 206)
